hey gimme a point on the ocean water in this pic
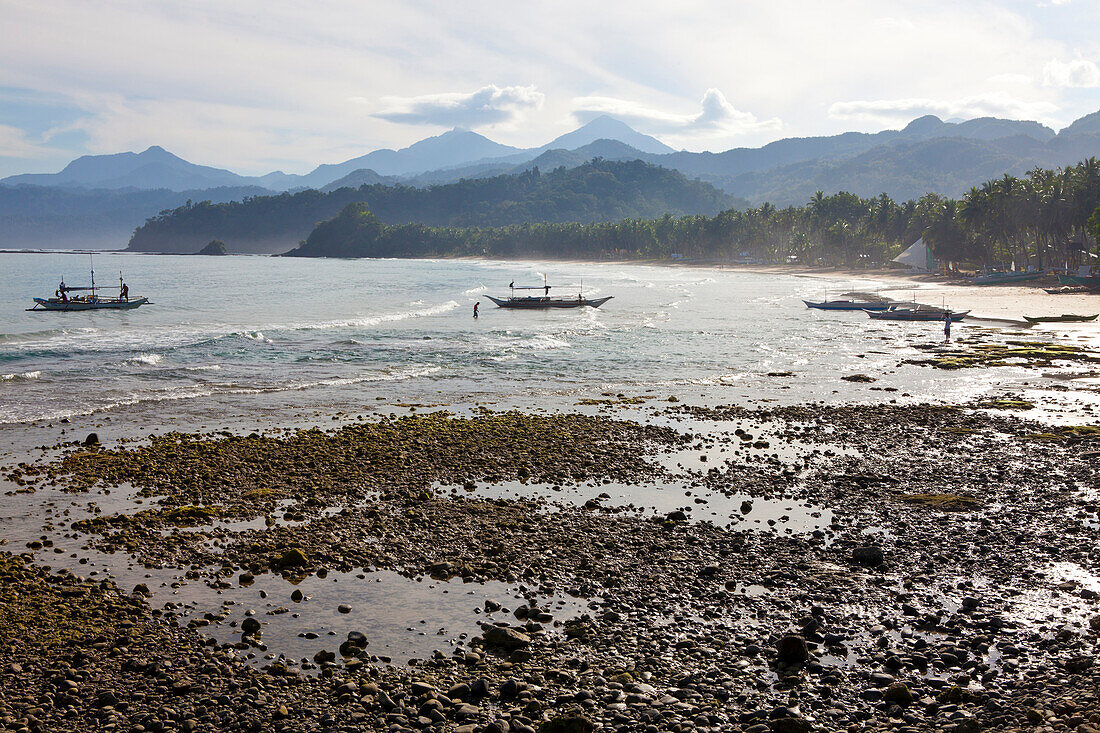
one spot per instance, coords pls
(269, 340)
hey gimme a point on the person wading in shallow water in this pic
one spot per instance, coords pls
(476, 305)
(947, 326)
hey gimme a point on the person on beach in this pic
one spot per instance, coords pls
(947, 325)
(477, 303)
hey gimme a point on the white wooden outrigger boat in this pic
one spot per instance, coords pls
(62, 301)
(544, 300)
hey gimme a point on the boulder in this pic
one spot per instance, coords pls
(869, 556)
(505, 637)
(897, 693)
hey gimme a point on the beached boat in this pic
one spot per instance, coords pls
(1068, 289)
(89, 300)
(1064, 318)
(918, 313)
(545, 300)
(1087, 281)
(1006, 278)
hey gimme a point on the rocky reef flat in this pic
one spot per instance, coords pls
(654, 567)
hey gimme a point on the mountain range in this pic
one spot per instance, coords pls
(927, 155)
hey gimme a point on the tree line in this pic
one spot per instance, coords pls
(1048, 218)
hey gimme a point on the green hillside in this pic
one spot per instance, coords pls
(597, 191)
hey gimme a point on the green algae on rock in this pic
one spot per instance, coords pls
(945, 502)
(1033, 354)
(203, 477)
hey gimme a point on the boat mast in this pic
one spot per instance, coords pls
(91, 268)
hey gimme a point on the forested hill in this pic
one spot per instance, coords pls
(1051, 217)
(597, 191)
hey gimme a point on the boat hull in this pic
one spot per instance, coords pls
(545, 303)
(1088, 282)
(1064, 318)
(54, 304)
(896, 315)
(845, 305)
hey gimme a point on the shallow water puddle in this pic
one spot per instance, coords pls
(1059, 601)
(402, 618)
(738, 511)
(720, 444)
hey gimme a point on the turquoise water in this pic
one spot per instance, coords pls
(267, 338)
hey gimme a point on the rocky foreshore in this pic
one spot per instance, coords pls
(948, 581)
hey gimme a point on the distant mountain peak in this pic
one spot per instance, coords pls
(925, 124)
(606, 127)
(1088, 123)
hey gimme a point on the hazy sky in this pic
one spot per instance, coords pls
(256, 86)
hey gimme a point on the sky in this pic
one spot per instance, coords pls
(285, 85)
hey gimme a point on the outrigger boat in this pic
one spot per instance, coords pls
(1087, 281)
(544, 300)
(918, 313)
(853, 302)
(63, 302)
(1064, 318)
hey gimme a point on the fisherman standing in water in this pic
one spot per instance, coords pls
(947, 325)
(476, 304)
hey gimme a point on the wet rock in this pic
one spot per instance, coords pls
(897, 693)
(1079, 665)
(567, 724)
(459, 691)
(250, 626)
(505, 637)
(291, 558)
(868, 556)
(141, 589)
(510, 688)
(790, 725)
(92, 439)
(792, 650)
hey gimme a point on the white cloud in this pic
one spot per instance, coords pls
(1080, 73)
(254, 85)
(716, 116)
(892, 111)
(1012, 79)
(489, 105)
(15, 143)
